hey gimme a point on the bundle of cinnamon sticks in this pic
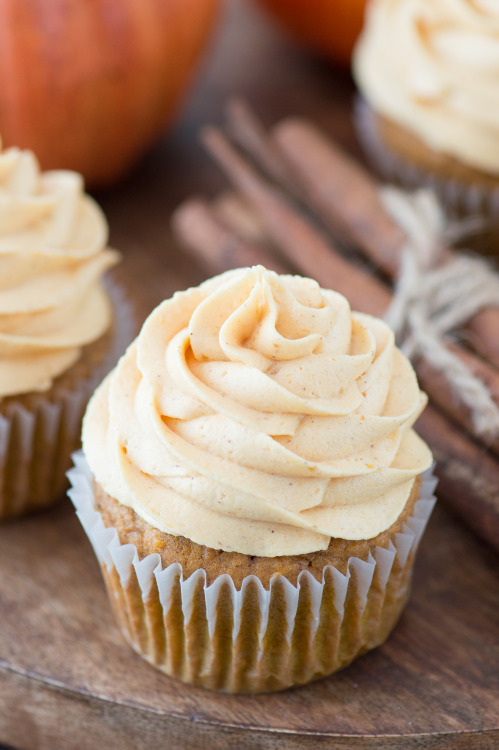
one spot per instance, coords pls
(295, 197)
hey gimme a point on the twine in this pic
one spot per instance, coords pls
(435, 296)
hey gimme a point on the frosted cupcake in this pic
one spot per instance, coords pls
(59, 335)
(429, 75)
(252, 485)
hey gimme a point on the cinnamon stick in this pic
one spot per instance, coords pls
(247, 130)
(295, 237)
(313, 255)
(211, 240)
(344, 195)
(469, 477)
(434, 382)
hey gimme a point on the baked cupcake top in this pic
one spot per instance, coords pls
(433, 68)
(256, 413)
(52, 255)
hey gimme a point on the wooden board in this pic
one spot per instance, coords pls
(68, 680)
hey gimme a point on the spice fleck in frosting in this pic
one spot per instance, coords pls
(256, 413)
(52, 255)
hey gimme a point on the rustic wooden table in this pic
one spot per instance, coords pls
(67, 679)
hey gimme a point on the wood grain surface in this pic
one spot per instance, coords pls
(67, 679)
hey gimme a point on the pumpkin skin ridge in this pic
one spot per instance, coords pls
(90, 86)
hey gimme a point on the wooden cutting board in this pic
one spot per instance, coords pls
(67, 679)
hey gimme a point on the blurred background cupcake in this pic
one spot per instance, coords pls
(428, 71)
(60, 329)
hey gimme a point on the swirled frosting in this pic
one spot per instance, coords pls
(255, 413)
(52, 255)
(433, 67)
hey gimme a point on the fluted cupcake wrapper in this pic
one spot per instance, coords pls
(458, 198)
(251, 639)
(36, 442)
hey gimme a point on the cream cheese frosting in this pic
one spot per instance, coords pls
(433, 67)
(52, 256)
(256, 413)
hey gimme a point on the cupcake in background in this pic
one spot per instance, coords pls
(428, 72)
(61, 331)
(252, 485)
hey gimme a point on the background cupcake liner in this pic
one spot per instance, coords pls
(36, 443)
(458, 198)
(251, 639)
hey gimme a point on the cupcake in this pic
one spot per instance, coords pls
(59, 335)
(252, 485)
(429, 75)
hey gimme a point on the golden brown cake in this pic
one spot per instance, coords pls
(253, 485)
(132, 529)
(414, 151)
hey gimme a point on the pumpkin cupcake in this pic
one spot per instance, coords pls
(429, 76)
(252, 485)
(60, 331)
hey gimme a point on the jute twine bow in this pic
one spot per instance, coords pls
(435, 296)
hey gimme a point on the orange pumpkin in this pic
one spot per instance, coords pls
(90, 84)
(329, 26)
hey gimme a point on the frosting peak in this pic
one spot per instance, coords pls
(433, 67)
(256, 413)
(52, 255)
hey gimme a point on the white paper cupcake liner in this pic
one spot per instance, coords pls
(458, 198)
(251, 639)
(36, 442)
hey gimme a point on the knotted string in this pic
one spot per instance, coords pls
(435, 296)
